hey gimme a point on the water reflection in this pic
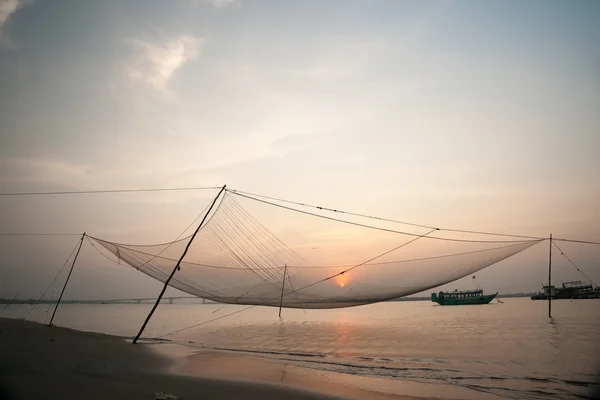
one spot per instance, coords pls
(281, 334)
(555, 336)
(343, 332)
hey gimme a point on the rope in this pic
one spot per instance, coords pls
(99, 251)
(49, 304)
(292, 286)
(53, 281)
(416, 259)
(239, 297)
(163, 250)
(161, 244)
(573, 264)
(575, 241)
(209, 321)
(107, 191)
(383, 219)
(41, 234)
(375, 227)
(331, 209)
(254, 195)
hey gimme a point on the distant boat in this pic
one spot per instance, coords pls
(459, 298)
(569, 290)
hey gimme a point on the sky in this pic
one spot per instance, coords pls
(460, 114)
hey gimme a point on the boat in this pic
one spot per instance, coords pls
(569, 290)
(459, 298)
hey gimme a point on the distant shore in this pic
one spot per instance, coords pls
(58, 363)
(197, 300)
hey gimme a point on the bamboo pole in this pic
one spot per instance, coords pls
(282, 287)
(162, 292)
(67, 281)
(550, 280)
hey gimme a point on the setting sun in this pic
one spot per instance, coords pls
(341, 280)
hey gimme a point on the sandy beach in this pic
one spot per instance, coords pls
(58, 363)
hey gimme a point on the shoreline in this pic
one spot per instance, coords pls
(62, 363)
(190, 361)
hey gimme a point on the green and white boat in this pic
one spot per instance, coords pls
(459, 298)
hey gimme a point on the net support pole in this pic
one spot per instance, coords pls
(67, 281)
(162, 292)
(282, 287)
(550, 280)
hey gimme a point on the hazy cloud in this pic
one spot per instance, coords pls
(41, 171)
(221, 3)
(7, 8)
(155, 62)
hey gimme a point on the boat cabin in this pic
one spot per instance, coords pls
(460, 295)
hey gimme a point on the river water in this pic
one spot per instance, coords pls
(511, 349)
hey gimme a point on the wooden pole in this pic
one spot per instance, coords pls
(176, 267)
(67, 281)
(282, 286)
(550, 280)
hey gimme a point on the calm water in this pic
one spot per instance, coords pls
(509, 349)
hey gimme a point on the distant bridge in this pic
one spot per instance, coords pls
(139, 300)
(152, 299)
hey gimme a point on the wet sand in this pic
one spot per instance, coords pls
(37, 361)
(239, 365)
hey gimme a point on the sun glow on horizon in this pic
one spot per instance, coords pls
(341, 280)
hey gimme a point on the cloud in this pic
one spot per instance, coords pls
(7, 8)
(38, 174)
(221, 3)
(216, 3)
(40, 170)
(155, 63)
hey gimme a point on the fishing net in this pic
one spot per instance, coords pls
(260, 251)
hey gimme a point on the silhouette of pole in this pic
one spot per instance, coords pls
(177, 266)
(282, 286)
(67, 281)
(550, 280)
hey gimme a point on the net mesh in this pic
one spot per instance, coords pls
(256, 252)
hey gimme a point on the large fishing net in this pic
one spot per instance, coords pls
(260, 251)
